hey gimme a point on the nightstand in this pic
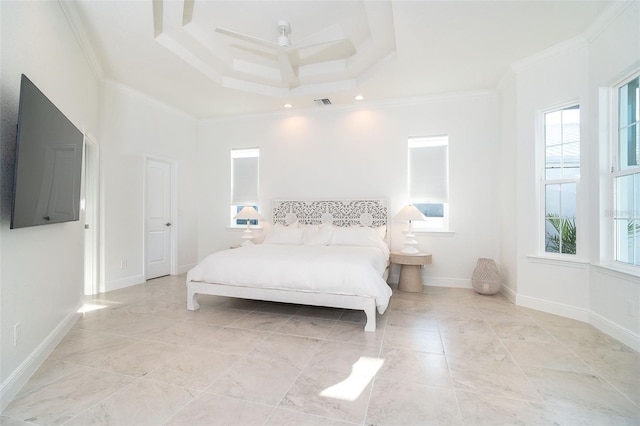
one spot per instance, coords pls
(410, 274)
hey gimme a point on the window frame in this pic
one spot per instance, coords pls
(544, 182)
(431, 224)
(235, 208)
(616, 172)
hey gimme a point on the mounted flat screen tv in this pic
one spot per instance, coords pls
(48, 169)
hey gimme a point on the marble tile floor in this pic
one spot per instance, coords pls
(445, 356)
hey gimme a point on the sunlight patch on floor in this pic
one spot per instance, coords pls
(89, 307)
(352, 387)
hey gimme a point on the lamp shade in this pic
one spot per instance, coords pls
(409, 213)
(248, 212)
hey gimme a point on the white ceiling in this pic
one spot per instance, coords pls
(170, 50)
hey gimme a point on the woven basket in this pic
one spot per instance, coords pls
(486, 278)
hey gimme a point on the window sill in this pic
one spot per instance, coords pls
(621, 272)
(559, 261)
(433, 233)
(244, 228)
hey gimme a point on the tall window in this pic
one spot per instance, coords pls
(626, 175)
(560, 179)
(244, 182)
(429, 180)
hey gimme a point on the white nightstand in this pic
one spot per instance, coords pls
(410, 274)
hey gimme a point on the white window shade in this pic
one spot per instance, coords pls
(245, 171)
(428, 170)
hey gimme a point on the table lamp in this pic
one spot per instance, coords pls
(248, 213)
(409, 213)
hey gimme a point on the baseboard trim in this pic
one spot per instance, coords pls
(603, 324)
(436, 281)
(609, 327)
(509, 293)
(185, 268)
(12, 385)
(447, 282)
(124, 282)
(555, 308)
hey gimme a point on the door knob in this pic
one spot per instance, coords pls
(168, 224)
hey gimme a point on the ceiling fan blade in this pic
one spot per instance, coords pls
(286, 69)
(328, 35)
(336, 51)
(246, 37)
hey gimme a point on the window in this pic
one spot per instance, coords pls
(626, 175)
(560, 179)
(429, 180)
(244, 182)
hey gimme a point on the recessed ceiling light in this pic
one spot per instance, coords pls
(358, 97)
(287, 105)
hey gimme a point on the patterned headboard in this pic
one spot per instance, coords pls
(373, 213)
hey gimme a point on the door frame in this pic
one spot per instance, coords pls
(91, 209)
(173, 251)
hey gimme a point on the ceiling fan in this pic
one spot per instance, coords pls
(283, 47)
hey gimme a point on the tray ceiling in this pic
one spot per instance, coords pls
(170, 50)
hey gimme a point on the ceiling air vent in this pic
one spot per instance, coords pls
(322, 102)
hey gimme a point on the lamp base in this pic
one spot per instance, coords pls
(410, 250)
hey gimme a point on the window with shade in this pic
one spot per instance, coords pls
(626, 175)
(429, 181)
(245, 172)
(560, 179)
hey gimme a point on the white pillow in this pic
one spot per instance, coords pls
(382, 232)
(284, 235)
(314, 235)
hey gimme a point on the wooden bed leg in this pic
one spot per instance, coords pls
(192, 302)
(371, 318)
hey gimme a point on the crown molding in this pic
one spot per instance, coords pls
(75, 22)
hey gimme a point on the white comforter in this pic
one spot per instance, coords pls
(317, 269)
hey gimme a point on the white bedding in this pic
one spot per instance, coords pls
(347, 270)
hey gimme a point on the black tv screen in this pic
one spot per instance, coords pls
(48, 169)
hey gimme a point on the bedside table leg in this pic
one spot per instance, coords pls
(410, 279)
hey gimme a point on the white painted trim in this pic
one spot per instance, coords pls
(124, 282)
(429, 281)
(182, 269)
(92, 185)
(555, 50)
(79, 31)
(555, 308)
(370, 105)
(609, 327)
(617, 273)
(509, 293)
(12, 385)
(605, 19)
(446, 282)
(108, 82)
(559, 261)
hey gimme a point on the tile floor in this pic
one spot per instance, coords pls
(446, 356)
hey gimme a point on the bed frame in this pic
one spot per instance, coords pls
(361, 212)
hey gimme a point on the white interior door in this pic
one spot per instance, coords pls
(158, 219)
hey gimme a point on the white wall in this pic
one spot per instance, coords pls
(588, 288)
(362, 152)
(508, 185)
(550, 81)
(615, 298)
(41, 285)
(134, 127)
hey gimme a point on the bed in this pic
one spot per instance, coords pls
(321, 253)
